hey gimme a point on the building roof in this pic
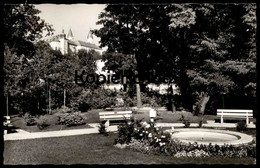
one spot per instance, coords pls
(73, 42)
(86, 44)
(90, 35)
(70, 35)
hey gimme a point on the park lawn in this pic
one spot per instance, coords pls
(166, 116)
(19, 123)
(92, 116)
(92, 149)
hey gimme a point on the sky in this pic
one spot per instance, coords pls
(80, 18)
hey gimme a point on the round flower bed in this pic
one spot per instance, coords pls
(146, 138)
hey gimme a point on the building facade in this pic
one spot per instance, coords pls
(67, 44)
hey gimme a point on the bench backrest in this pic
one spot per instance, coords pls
(115, 115)
(8, 121)
(235, 113)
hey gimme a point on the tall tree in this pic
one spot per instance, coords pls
(141, 31)
(217, 49)
(22, 26)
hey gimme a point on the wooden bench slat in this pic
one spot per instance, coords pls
(234, 111)
(234, 114)
(116, 116)
(7, 117)
(115, 112)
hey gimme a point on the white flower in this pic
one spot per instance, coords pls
(162, 136)
(148, 126)
(146, 132)
(150, 135)
(172, 129)
(144, 123)
(141, 134)
(135, 129)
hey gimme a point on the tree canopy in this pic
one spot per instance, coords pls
(206, 48)
(22, 26)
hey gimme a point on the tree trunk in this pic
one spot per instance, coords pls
(64, 101)
(7, 110)
(38, 105)
(138, 94)
(203, 103)
(171, 100)
(49, 99)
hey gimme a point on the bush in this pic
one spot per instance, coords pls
(95, 99)
(29, 119)
(140, 146)
(63, 109)
(42, 122)
(71, 119)
(241, 126)
(186, 122)
(200, 123)
(126, 131)
(145, 138)
(102, 129)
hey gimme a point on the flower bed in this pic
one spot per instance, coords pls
(144, 137)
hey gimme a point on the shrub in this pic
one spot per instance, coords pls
(241, 126)
(29, 119)
(102, 99)
(102, 129)
(140, 146)
(42, 122)
(186, 122)
(200, 123)
(63, 109)
(126, 131)
(145, 138)
(27, 115)
(71, 119)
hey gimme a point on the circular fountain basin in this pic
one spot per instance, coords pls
(206, 136)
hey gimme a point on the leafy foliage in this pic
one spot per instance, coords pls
(102, 129)
(145, 138)
(22, 26)
(42, 122)
(71, 119)
(29, 119)
(206, 48)
(241, 126)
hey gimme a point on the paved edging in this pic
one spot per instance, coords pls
(243, 138)
(21, 134)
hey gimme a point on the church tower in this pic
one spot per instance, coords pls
(70, 35)
(90, 38)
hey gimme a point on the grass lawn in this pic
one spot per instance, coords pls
(167, 116)
(93, 117)
(92, 149)
(19, 123)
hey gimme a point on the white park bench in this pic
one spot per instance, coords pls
(233, 113)
(8, 121)
(115, 115)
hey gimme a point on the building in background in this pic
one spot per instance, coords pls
(67, 44)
